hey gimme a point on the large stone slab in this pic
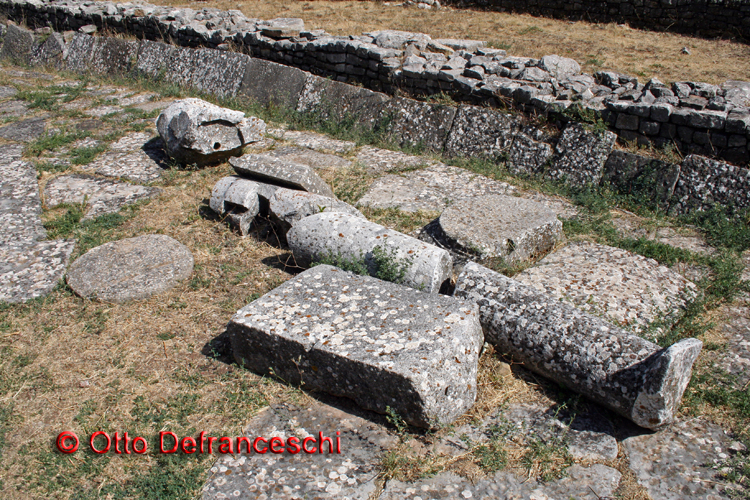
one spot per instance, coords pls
(20, 204)
(311, 158)
(515, 229)
(627, 289)
(51, 52)
(704, 183)
(24, 130)
(282, 172)
(378, 343)
(33, 271)
(580, 155)
(325, 99)
(130, 269)
(431, 189)
(418, 124)
(196, 131)
(138, 157)
(352, 473)
(481, 132)
(345, 236)
(625, 373)
(112, 56)
(680, 461)
(319, 142)
(103, 196)
(272, 84)
(218, 72)
(287, 207)
(80, 49)
(378, 161)
(527, 156)
(18, 45)
(582, 483)
(634, 174)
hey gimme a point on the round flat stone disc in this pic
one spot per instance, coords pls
(130, 269)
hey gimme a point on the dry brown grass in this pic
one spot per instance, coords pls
(596, 46)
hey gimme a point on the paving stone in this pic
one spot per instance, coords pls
(678, 462)
(378, 161)
(6, 91)
(10, 153)
(581, 155)
(509, 227)
(138, 157)
(20, 205)
(101, 111)
(481, 132)
(349, 474)
(627, 289)
(705, 182)
(196, 131)
(341, 235)
(236, 199)
(287, 207)
(585, 483)
(527, 156)
(130, 269)
(153, 105)
(24, 130)
(631, 226)
(267, 83)
(378, 343)
(132, 100)
(281, 172)
(13, 109)
(319, 142)
(736, 329)
(103, 196)
(311, 158)
(620, 371)
(34, 270)
(430, 189)
(419, 124)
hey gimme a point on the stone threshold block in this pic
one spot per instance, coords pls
(381, 344)
(344, 236)
(625, 373)
(281, 172)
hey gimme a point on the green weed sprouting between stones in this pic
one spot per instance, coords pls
(387, 266)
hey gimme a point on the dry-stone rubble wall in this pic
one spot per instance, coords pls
(696, 117)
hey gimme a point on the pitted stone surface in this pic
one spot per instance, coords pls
(24, 130)
(582, 483)
(378, 343)
(349, 474)
(282, 172)
(736, 358)
(20, 204)
(103, 196)
(581, 155)
(13, 108)
(527, 156)
(287, 207)
(704, 182)
(34, 270)
(335, 235)
(130, 269)
(139, 157)
(481, 132)
(237, 200)
(678, 462)
(195, 131)
(415, 123)
(625, 373)
(311, 158)
(627, 289)
(6, 91)
(513, 228)
(378, 160)
(431, 189)
(318, 142)
(104, 110)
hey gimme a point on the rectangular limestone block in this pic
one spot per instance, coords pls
(270, 83)
(281, 172)
(621, 371)
(112, 56)
(380, 344)
(18, 45)
(704, 183)
(418, 124)
(79, 52)
(478, 131)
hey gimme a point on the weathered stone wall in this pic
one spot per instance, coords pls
(693, 17)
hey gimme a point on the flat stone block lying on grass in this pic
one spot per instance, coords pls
(350, 474)
(281, 172)
(287, 207)
(237, 199)
(344, 236)
(319, 142)
(130, 269)
(24, 131)
(625, 373)
(513, 228)
(103, 196)
(311, 158)
(581, 155)
(33, 271)
(627, 289)
(380, 344)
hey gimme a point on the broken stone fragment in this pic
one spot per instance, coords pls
(334, 236)
(381, 344)
(281, 172)
(623, 372)
(237, 200)
(196, 131)
(287, 207)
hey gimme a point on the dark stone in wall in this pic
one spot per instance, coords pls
(270, 83)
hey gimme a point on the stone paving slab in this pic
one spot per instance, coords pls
(24, 130)
(282, 172)
(680, 462)
(378, 343)
(379, 161)
(318, 142)
(12, 109)
(594, 482)
(6, 91)
(104, 110)
(130, 269)
(310, 157)
(627, 289)
(139, 157)
(20, 204)
(351, 474)
(103, 196)
(736, 359)
(34, 270)
(431, 189)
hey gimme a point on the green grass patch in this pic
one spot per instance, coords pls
(84, 156)
(88, 233)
